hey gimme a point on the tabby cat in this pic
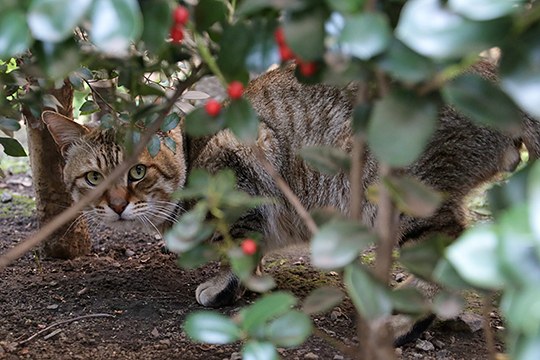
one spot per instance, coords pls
(459, 157)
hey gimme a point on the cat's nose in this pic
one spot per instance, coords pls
(118, 205)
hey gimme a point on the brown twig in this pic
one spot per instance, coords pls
(488, 333)
(286, 190)
(62, 322)
(67, 215)
(357, 173)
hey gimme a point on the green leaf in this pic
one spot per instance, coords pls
(290, 329)
(422, 258)
(234, 46)
(211, 327)
(260, 283)
(304, 34)
(153, 145)
(365, 35)
(157, 20)
(14, 33)
(412, 197)
(121, 26)
(533, 188)
(55, 20)
(12, 147)
(88, 107)
(483, 102)
(189, 231)
(242, 264)
(322, 299)
(474, 256)
(259, 350)
(199, 123)
(520, 73)
(170, 122)
(401, 126)
(170, 143)
(446, 275)
(208, 12)
(405, 64)
(326, 159)
(361, 116)
(525, 347)
(267, 307)
(7, 124)
(346, 6)
(337, 243)
(197, 256)
(263, 51)
(370, 297)
(522, 309)
(242, 120)
(485, 9)
(409, 301)
(450, 36)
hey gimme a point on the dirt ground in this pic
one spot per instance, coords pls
(127, 300)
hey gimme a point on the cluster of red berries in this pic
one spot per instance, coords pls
(307, 68)
(249, 247)
(180, 19)
(235, 91)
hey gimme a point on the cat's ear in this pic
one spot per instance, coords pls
(63, 130)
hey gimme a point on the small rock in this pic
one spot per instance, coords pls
(165, 342)
(338, 357)
(399, 277)
(83, 291)
(438, 343)
(129, 252)
(6, 197)
(467, 322)
(442, 355)
(311, 355)
(236, 356)
(155, 332)
(398, 351)
(424, 345)
(53, 307)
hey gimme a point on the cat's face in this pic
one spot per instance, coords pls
(141, 198)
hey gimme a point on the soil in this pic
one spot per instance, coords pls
(127, 300)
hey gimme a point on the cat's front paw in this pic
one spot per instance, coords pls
(221, 290)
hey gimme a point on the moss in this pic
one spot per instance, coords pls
(18, 206)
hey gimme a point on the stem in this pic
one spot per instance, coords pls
(488, 333)
(70, 213)
(207, 57)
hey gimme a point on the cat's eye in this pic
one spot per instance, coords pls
(137, 172)
(93, 178)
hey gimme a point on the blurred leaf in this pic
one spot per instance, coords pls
(14, 33)
(7, 124)
(242, 120)
(365, 35)
(446, 275)
(304, 34)
(412, 197)
(346, 6)
(520, 73)
(242, 265)
(406, 65)
(208, 12)
(474, 256)
(447, 305)
(234, 46)
(157, 20)
(326, 159)
(211, 327)
(290, 329)
(199, 123)
(170, 122)
(421, 258)
(433, 30)
(361, 116)
(512, 192)
(263, 50)
(267, 307)
(170, 143)
(485, 9)
(153, 145)
(401, 126)
(260, 283)
(370, 297)
(55, 20)
(12, 147)
(533, 199)
(88, 107)
(337, 243)
(521, 308)
(483, 102)
(123, 24)
(409, 301)
(322, 299)
(259, 350)
(524, 347)
(189, 231)
(197, 256)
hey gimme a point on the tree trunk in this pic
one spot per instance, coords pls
(52, 198)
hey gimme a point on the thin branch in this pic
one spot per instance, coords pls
(58, 323)
(286, 190)
(488, 333)
(69, 214)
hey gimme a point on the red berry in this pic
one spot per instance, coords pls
(235, 90)
(181, 15)
(307, 68)
(249, 246)
(177, 34)
(285, 53)
(213, 107)
(279, 35)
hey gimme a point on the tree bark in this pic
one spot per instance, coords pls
(52, 198)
